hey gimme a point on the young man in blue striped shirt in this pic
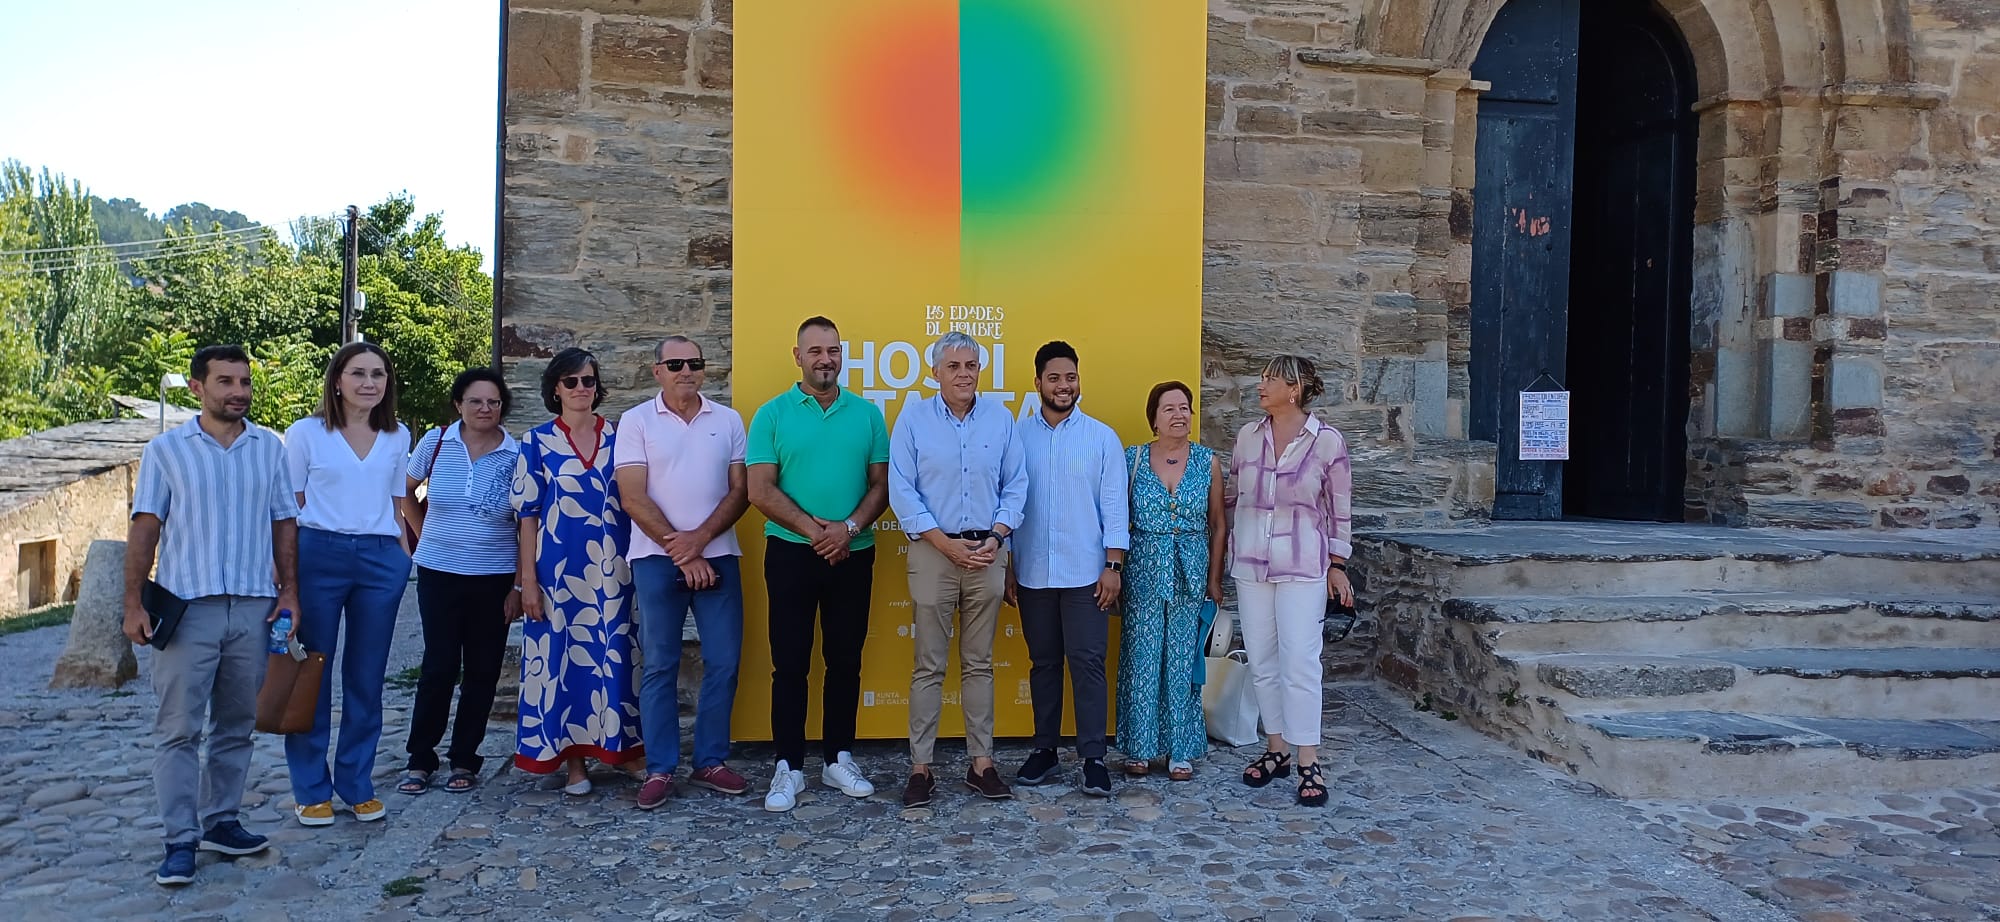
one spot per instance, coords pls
(214, 502)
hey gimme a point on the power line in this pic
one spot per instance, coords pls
(85, 247)
(87, 260)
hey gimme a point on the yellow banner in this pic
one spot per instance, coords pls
(1019, 170)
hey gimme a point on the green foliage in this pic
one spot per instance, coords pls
(74, 331)
(124, 220)
(206, 218)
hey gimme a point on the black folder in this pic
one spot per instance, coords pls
(165, 609)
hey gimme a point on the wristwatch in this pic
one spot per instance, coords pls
(1114, 566)
(853, 530)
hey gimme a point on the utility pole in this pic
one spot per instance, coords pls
(350, 259)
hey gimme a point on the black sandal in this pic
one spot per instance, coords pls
(1312, 786)
(1268, 766)
(414, 782)
(461, 780)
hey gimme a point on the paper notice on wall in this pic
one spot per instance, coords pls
(1545, 425)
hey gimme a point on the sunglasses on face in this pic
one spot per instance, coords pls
(678, 364)
(587, 382)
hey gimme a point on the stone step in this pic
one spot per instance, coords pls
(1687, 753)
(1887, 683)
(1697, 621)
(1562, 558)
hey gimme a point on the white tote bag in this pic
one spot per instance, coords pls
(1228, 703)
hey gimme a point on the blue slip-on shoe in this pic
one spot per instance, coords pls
(230, 838)
(178, 869)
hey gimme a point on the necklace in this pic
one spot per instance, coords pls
(1166, 456)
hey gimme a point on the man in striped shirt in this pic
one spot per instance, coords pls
(214, 502)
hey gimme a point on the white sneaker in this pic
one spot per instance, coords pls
(845, 776)
(786, 785)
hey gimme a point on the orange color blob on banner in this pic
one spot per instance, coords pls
(899, 104)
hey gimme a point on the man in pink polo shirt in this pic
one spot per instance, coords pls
(681, 478)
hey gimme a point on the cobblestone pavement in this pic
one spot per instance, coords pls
(1429, 821)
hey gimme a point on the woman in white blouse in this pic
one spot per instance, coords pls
(347, 463)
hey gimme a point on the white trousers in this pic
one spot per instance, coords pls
(1281, 635)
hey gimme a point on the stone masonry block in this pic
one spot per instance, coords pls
(1431, 399)
(638, 54)
(1788, 389)
(1791, 294)
(715, 50)
(1232, 53)
(544, 56)
(664, 9)
(1857, 294)
(1857, 383)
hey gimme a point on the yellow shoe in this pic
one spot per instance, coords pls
(369, 811)
(314, 814)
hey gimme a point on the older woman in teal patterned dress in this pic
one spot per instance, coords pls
(579, 691)
(1175, 564)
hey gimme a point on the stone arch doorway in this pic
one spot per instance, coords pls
(1583, 212)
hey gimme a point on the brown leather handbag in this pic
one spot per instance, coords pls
(290, 694)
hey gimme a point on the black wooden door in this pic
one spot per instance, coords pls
(1630, 273)
(1521, 236)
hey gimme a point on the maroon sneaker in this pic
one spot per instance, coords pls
(655, 791)
(719, 778)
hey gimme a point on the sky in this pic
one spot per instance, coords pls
(274, 108)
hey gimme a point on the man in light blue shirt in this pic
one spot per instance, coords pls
(957, 481)
(215, 502)
(1069, 555)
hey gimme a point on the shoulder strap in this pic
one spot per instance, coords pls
(436, 450)
(1132, 468)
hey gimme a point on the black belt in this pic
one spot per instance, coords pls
(974, 535)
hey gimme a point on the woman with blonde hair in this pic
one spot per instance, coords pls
(1293, 491)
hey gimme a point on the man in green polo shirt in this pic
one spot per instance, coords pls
(819, 471)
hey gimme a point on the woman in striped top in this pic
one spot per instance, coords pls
(467, 550)
(1293, 488)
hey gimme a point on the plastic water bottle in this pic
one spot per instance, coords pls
(281, 631)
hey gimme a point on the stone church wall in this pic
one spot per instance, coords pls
(1846, 367)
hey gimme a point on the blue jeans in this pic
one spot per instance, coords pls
(358, 579)
(718, 617)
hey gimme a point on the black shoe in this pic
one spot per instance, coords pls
(178, 869)
(1037, 769)
(230, 838)
(1096, 778)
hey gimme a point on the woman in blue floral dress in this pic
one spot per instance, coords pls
(1178, 535)
(579, 696)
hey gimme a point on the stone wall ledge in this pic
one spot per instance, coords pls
(1853, 93)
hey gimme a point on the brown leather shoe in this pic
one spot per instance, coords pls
(918, 792)
(988, 784)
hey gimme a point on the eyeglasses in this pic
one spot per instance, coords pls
(678, 364)
(587, 382)
(481, 403)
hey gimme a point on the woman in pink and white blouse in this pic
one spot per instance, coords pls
(1293, 484)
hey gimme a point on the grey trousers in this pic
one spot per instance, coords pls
(1066, 625)
(207, 680)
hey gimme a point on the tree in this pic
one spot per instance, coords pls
(206, 218)
(124, 220)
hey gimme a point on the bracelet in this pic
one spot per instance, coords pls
(1337, 565)
(517, 587)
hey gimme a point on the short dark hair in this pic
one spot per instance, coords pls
(1056, 349)
(569, 362)
(1159, 392)
(333, 413)
(208, 355)
(467, 378)
(818, 321)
